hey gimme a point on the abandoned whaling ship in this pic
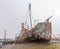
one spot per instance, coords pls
(41, 32)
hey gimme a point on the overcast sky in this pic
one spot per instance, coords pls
(13, 12)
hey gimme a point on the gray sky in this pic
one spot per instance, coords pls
(13, 12)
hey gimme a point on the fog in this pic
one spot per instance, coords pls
(14, 12)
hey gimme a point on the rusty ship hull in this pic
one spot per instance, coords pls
(40, 33)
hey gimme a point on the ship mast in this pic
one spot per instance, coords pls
(5, 35)
(30, 14)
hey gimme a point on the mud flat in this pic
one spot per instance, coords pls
(32, 46)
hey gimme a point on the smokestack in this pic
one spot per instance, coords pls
(22, 25)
